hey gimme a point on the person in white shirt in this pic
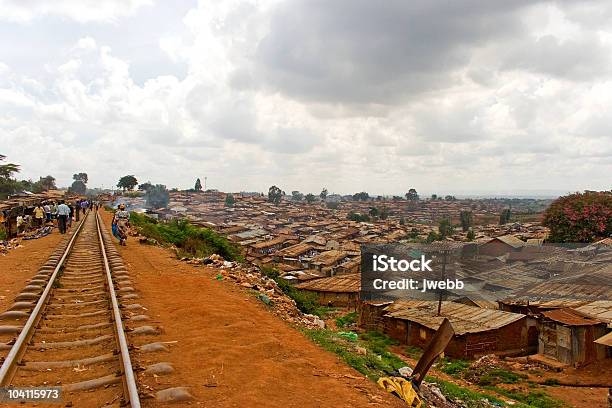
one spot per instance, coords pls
(63, 212)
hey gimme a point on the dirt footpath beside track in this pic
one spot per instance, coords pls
(230, 351)
(20, 264)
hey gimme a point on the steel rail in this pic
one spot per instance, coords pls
(10, 362)
(129, 379)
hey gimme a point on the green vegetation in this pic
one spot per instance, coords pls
(346, 320)
(230, 200)
(470, 235)
(413, 352)
(376, 362)
(275, 195)
(537, 399)
(369, 355)
(467, 220)
(412, 195)
(323, 194)
(499, 376)
(3, 234)
(191, 240)
(362, 196)
(310, 198)
(79, 186)
(305, 301)
(127, 182)
(353, 216)
(504, 217)
(468, 397)
(452, 367)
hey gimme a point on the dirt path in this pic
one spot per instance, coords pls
(230, 351)
(20, 264)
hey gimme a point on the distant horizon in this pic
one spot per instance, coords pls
(476, 98)
(521, 194)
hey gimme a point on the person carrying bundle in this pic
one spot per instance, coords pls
(121, 224)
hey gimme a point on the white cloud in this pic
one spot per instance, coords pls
(83, 11)
(265, 102)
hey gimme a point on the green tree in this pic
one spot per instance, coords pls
(297, 196)
(7, 170)
(433, 236)
(373, 212)
(275, 195)
(80, 177)
(78, 187)
(198, 185)
(471, 235)
(128, 183)
(8, 185)
(47, 183)
(230, 200)
(434, 197)
(145, 186)
(412, 195)
(504, 217)
(157, 196)
(450, 198)
(445, 228)
(580, 217)
(353, 216)
(323, 194)
(362, 196)
(466, 220)
(310, 198)
(383, 213)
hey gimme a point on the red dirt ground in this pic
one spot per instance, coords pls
(20, 264)
(231, 351)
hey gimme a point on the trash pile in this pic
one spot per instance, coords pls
(39, 233)
(250, 277)
(6, 246)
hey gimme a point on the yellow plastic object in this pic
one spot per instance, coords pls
(402, 388)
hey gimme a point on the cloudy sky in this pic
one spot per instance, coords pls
(444, 96)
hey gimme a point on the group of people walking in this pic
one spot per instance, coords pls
(61, 212)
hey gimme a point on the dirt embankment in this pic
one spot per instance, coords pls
(230, 350)
(21, 263)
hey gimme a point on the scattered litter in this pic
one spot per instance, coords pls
(352, 336)
(264, 298)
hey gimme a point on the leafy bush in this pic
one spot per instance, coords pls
(191, 240)
(305, 301)
(346, 320)
(453, 367)
(377, 361)
(536, 399)
(580, 217)
(353, 216)
(497, 376)
(3, 234)
(467, 397)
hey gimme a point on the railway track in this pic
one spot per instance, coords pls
(65, 328)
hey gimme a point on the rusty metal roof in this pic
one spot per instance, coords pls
(350, 283)
(605, 340)
(570, 317)
(600, 309)
(295, 250)
(464, 318)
